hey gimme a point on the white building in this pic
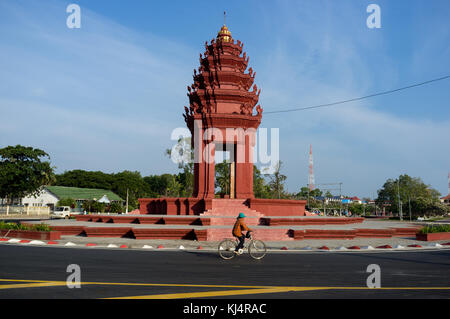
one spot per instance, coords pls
(44, 198)
(50, 195)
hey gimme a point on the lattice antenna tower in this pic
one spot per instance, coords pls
(311, 181)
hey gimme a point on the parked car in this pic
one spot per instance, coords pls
(63, 212)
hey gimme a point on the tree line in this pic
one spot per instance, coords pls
(24, 170)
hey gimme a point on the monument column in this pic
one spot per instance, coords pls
(244, 167)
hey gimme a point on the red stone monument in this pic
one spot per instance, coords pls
(223, 115)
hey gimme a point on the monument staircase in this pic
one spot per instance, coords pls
(224, 212)
(217, 222)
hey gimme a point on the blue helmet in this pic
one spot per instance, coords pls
(241, 215)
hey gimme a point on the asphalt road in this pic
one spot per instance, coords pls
(41, 272)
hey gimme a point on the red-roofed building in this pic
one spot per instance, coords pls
(355, 199)
(446, 199)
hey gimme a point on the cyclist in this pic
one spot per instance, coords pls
(239, 225)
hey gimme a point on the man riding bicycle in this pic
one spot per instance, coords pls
(239, 225)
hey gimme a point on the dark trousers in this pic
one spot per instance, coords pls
(241, 242)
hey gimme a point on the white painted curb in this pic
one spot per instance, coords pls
(36, 242)
(181, 247)
(434, 245)
(70, 244)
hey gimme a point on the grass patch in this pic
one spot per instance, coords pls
(14, 226)
(429, 229)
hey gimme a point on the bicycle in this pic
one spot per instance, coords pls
(256, 248)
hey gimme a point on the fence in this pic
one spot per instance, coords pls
(24, 210)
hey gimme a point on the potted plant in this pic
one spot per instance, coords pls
(434, 232)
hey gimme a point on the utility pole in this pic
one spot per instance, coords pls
(409, 206)
(400, 213)
(307, 200)
(449, 183)
(126, 210)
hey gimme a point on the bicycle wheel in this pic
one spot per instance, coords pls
(257, 249)
(226, 248)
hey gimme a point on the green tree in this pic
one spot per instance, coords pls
(222, 171)
(116, 208)
(23, 171)
(131, 181)
(410, 190)
(97, 207)
(156, 185)
(305, 192)
(173, 187)
(328, 194)
(183, 154)
(85, 179)
(276, 182)
(316, 192)
(260, 187)
(66, 202)
(94, 206)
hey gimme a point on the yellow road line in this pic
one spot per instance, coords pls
(264, 291)
(144, 284)
(221, 293)
(33, 285)
(241, 290)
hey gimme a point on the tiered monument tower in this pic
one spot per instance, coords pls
(223, 115)
(220, 116)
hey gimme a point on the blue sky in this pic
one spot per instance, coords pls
(107, 96)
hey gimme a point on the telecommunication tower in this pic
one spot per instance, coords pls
(311, 181)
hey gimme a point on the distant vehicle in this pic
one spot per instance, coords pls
(63, 212)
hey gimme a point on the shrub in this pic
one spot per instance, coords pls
(40, 227)
(435, 229)
(116, 208)
(14, 226)
(66, 202)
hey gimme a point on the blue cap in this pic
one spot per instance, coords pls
(241, 215)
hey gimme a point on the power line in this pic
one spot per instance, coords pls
(360, 98)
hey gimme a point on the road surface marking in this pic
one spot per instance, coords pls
(142, 284)
(222, 293)
(33, 285)
(241, 290)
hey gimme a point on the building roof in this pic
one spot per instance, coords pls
(82, 193)
(446, 197)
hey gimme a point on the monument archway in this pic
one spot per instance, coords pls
(223, 110)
